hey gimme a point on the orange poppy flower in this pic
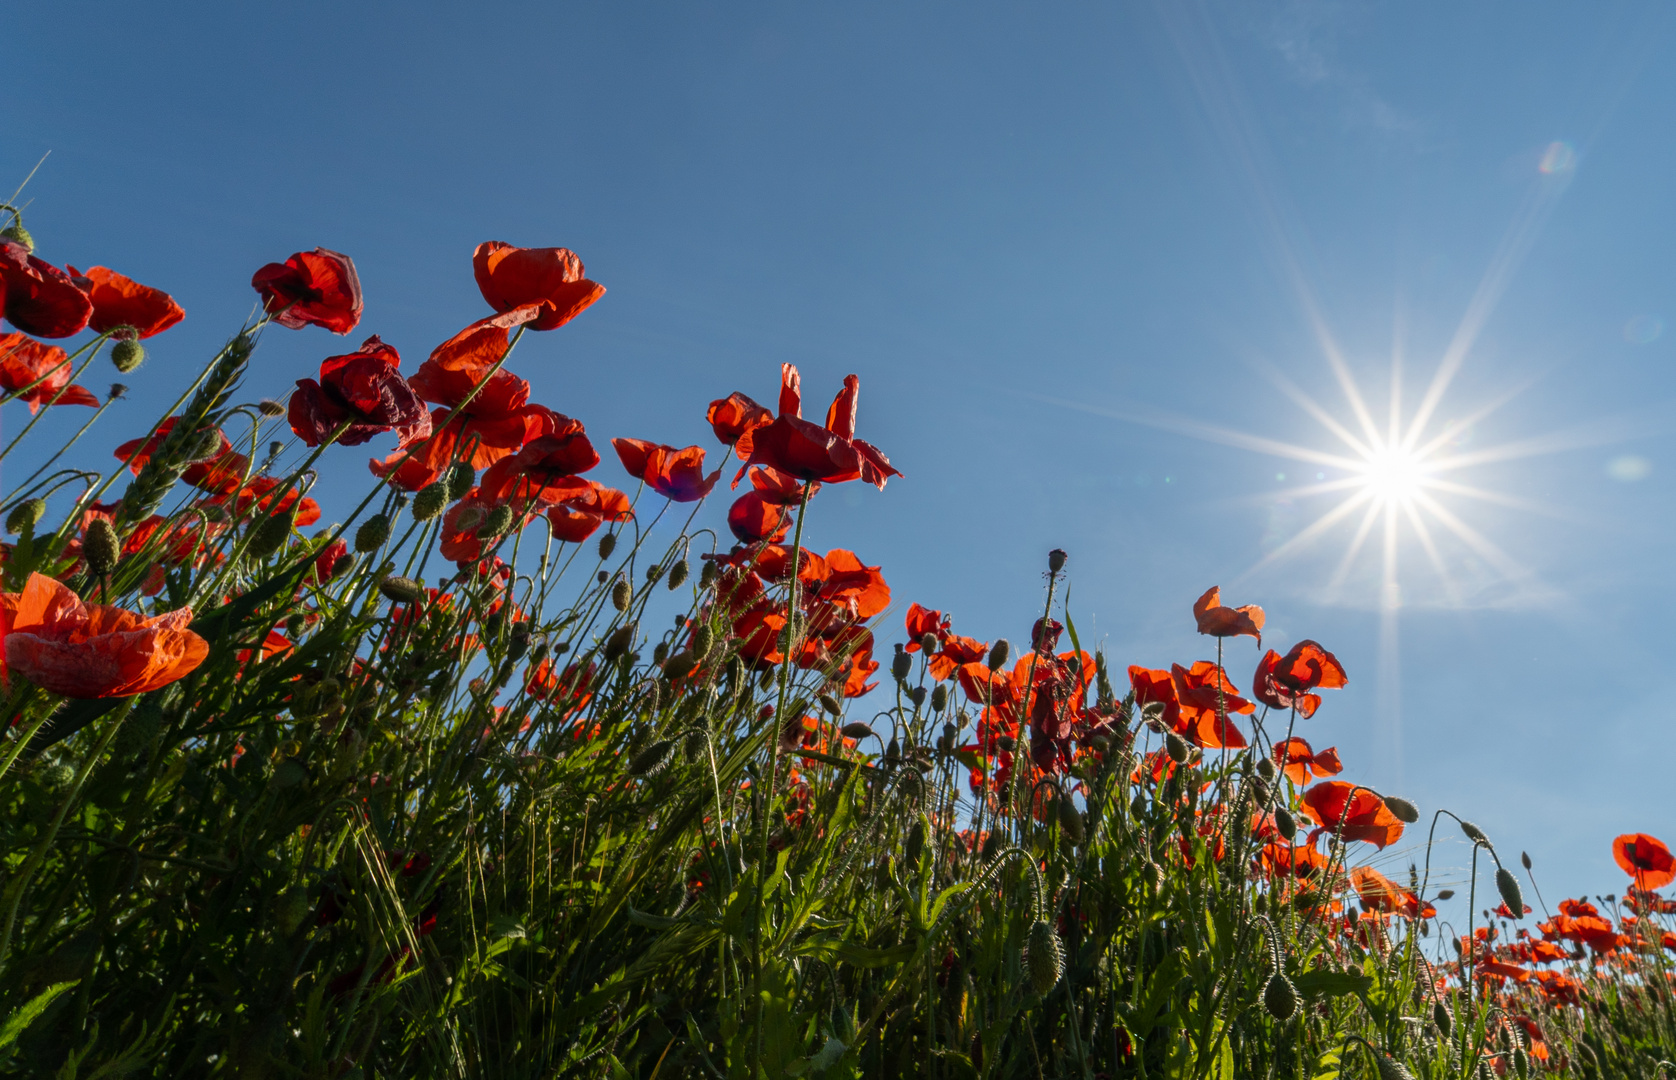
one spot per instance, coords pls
(1380, 893)
(674, 474)
(752, 518)
(37, 297)
(121, 301)
(798, 448)
(1283, 682)
(551, 278)
(1154, 687)
(1303, 764)
(1646, 859)
(1199, 691)
(311, 288)
(956, 651)
(1363, 813)
(732, 416)
(861, 590)
(1279, 859)
(922, 621)
(258, 494)
(82, 650)
(1219, 621)
(23, 360)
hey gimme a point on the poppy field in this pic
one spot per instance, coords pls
(533, 764)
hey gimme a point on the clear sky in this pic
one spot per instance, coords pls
(1076, 253)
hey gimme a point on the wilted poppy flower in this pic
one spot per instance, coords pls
(512, 277)
(1219, 621)
(752, 518)
(23, 360)
(82, 650)
(732, 416)
(318, 288)
(1363, 814)
(798, 448)
(1646, 859)
(119, 300)
(1284, 682)
(39, 298)
(1302, 764)
(364, 388)
(674, 474)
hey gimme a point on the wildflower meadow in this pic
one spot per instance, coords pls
(508, 772)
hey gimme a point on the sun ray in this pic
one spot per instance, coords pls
(1342, 571)
(1429, 546)
(1311, 406)
(1474, 539)
(1318, 527)
(1512, 502)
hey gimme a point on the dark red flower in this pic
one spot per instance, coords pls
(121, 301)
(24, 360)
(1282, 682)
(753, 518)
(39, 298)
(674, 474)
(364, 388)
(318, 288)
(798, 448)
(734, 415)
(512, 277)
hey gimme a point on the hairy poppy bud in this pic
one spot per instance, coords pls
(1176, 747)
(430, 501)
(703, 639)
(1152, 874)
(26, 515)
(295, 623)
(270, 408)
(619, 641)
(372, 534)
(678, 574)
(470, 517)
(916, 842)
(917, 696)
(622, 593)
(652, 759)
(1045, 958)
(1474, 833)
(270, 535)
(1006, 743)
(461, 478)
(607, 544)
(498, 523)
(1525, 857)
(653, 572)
(1508, 886)
(928, 642)
(707, 576)
(100, 547)
(857, 730)
(126, 355)
(893, 750)
(1403, 810)
(660, 653)
(16, 233)
(998, 653)
(1070, 820)
(1056, 561)
(1266, 769)
(1280, 997)
(1285, 823)
(1389, 1067)
(402, 590)
(830, 704)
(1521, 1062)
(1258, 789)
(679, 666)
(939, 698)
(991, 845)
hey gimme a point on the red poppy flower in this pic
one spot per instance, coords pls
(1279, 859)
(364, 388)
(860, 590)
(459, 540)
(1199, 691)
(326, 564)
(1153, 687)
(82, 650)
(1282, 682)
(572, 526)
(512, 277)
(674, 474)
(798, 448)
(23, 360)
(1302, 764)
(258, 495)
(39, 298)
(731, 417)
(1219, 621)
(922, 621)
(956, 652)
(546, 469)
(121, 301)
(575, 518)
(1364, 814)
(1646, 859)
(1380, 893)
(859, 666)
(311, 288)
(752, 518)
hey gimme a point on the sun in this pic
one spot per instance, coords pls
(1393, 475)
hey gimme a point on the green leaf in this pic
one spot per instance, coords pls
(1331, 983)
(21, 1018)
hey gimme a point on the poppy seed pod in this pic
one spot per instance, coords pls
(1389, 1067)
(901, 665)
(26, 515)
(893, 750)
(1006, 743)
(1285, 823)
(118, 391)
(660, 653)
(678, 574)
(1446, 894)
(401, 590)
(991, 845)
(1474, 833)
(939, 698)
(928, 642)
(1525, 857)
(126, 355)
(1401, 809)
(17, 234)
(498, 523)
(469, 519)
(1441, 1017)
(857, 730)
(917, 695)
(1266, 769)
(607, 544)
(651, 760)
(1176, 747)
(1056, 560)
(703, 639)
(1508, 886)
(1045, 958)
(101, 547)
(430, 501)
(830, 704)
(998, 653)
(372, 534)
(622, 594)
(1280, 997)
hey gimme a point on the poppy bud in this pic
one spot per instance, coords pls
(928, 642)
(1521, 1062)
(1280, 997)
(679, 666)
(372, 534)
(653, 572)
(1070, 820)
(270, 408)
(1006, 743)
(126, 355)
(1403, 810)
(1266, 769)
(857, 730)
(660, 653)
(100, 547)
(1446, 894)
(118, 391)
(618, 643)
(460, 480)
(901, 665)
(270, 535)
(917, 696)
(1508, 886)
(1390, 1068)
(703, 638)
(1046, 959)
(290, 911)
(707, 576)
(893, 750)
(1176, 747)
(950, 732)
(1056, 561)
(1474, 833)
(469, 519)
(17, 234)
(939, 697)
(998, 653)
(651, 760)
(991, 845)
(830, 704)
(430, 501)
(1525, 857)
(1258, 789)
(498, 523)
(1285, 823)
(607, 544)
(678, 574)
(916, 842)
(602, 577)
(295, 623)
(1441, 1017)
(26, 515)
(401, 590)
(622, 593)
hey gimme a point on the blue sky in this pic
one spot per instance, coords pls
(1046, 237)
